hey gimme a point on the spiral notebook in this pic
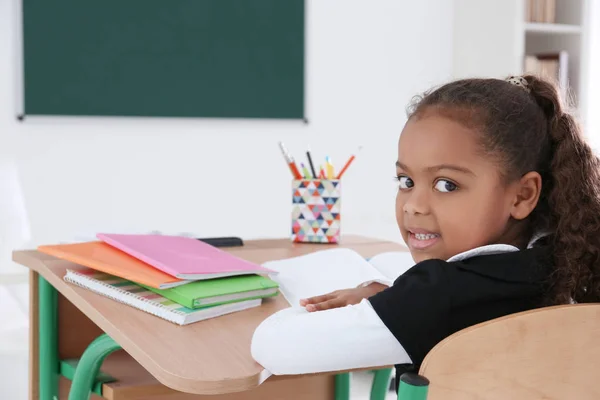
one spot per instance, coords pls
(136, 296)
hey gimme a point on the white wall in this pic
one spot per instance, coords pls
(365, 60)
(487, 38)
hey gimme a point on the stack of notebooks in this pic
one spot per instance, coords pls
(179, 279)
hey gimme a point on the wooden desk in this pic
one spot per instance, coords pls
(209, 358)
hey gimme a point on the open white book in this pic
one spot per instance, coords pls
(329, 270)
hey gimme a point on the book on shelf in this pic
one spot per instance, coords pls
(541, 11)
(551, 66)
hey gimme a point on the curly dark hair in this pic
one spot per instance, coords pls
(531, 130)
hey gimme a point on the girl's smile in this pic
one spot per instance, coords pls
(420, 239)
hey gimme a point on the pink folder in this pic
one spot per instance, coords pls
(182, 257)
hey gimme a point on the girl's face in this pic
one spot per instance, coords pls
(451, 198)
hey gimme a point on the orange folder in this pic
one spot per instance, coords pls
(103, 257)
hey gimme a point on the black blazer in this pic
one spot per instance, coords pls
(435, 298)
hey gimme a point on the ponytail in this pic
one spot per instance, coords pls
(573, 200)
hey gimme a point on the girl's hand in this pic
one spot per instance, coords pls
(341, 298)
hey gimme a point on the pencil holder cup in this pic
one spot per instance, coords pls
(316, 205)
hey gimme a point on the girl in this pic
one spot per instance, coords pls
(499, 204)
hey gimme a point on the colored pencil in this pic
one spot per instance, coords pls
(352, 157)
(312, 167)
(305, 171)
(321, 172)
(290, 161)
(329, 167)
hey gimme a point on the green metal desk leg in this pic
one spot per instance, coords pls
(89, 366)
(342, 386)
(413, 387)
(381, 383)
(48, 340)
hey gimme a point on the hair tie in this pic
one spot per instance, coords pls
(519, 81)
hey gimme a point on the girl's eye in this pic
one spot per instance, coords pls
(405, 182)
(444, 186)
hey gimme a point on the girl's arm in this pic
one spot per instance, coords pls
(294, 341)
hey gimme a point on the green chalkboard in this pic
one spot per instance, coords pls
(171, 58)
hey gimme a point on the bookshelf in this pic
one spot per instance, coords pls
(560, 32)
(494, 38)
(549, 28)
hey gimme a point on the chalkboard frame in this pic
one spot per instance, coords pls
(47, 86)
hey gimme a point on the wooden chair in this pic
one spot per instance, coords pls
(549, 353)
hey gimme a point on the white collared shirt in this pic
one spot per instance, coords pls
(294, 341)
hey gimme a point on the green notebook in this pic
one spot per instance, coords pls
(217, 291)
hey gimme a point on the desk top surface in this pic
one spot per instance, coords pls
(206, 357)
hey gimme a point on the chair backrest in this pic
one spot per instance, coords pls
(549, 353)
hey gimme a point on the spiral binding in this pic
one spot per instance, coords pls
(124, 297)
